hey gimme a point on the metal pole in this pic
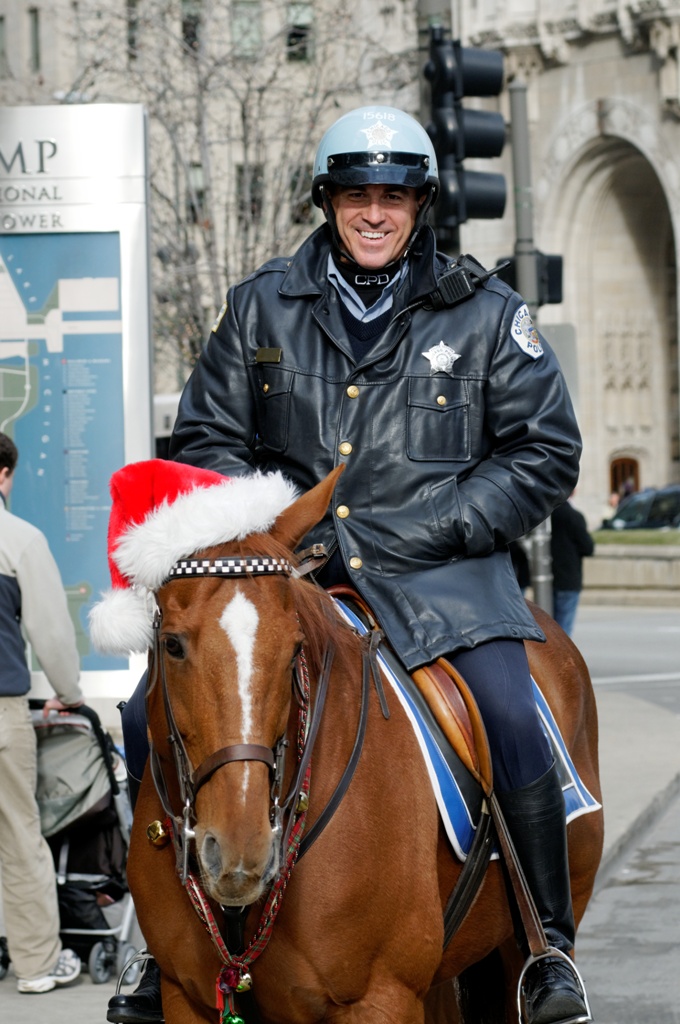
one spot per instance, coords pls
(526, 265)
(526, 268)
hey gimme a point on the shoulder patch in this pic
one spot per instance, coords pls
(525, 334)
(218, 318)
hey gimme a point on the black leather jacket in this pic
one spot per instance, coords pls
(443, 469)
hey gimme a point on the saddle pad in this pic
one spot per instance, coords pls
(458, 796)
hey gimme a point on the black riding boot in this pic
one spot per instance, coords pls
(536, 822)
(143, 1006)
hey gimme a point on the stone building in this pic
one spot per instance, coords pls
(604, 113)
(603, 91)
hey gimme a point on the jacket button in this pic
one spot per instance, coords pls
(345, 448)
(441, 400)
(353, 391)
(342, 511)
(265, 388)
(355, 563)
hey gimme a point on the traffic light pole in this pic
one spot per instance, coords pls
(526, 264)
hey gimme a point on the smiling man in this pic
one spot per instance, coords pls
(426, 378)
(374, 222)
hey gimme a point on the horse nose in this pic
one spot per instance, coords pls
(216, 865)
(211, 856)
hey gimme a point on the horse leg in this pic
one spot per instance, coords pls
(441, 1004)
(178, 1008)
(169, 924)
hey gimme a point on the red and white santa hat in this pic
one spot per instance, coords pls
(163, 511)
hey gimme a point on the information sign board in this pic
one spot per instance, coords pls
(75, 340)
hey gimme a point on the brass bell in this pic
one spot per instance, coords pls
(245, 983)
(157, 833)
(302, 802)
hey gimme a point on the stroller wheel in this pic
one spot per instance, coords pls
(4, 957)
(99, 963)
(126, 951)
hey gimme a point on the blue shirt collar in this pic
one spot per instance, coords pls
(351, 298)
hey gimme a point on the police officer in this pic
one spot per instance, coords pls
(428, 380)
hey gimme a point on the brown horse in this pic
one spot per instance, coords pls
(359, 932)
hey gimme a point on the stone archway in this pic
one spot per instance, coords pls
(620, 294)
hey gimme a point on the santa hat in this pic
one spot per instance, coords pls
(163, 511)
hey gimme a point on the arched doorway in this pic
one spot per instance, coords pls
(620, 293)
(624, 476)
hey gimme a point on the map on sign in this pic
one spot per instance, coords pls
(61, 400)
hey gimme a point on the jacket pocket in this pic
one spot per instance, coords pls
(438, 420)
(275, 387)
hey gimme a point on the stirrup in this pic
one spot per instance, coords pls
(553, 953)
(142, 955)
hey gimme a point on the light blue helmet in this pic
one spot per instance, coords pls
(376, 145)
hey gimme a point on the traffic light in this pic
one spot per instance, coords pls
(455, 71)
(548, 273)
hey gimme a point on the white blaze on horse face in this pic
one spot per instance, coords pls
(240, 620)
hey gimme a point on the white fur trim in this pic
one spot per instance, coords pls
(121, 623)
(199, 519)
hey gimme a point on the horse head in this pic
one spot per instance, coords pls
(222, 696)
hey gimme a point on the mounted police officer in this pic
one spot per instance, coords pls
(427, 379)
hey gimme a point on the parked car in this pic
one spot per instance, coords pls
(647, 510)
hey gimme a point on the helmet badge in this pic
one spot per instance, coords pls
(379, 134)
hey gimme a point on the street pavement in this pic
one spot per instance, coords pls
(639, 769)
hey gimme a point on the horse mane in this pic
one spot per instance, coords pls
(319, 619)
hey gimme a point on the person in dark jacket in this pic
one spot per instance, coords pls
(426, 378)
(570, 543)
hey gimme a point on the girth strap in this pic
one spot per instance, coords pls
(236, 752)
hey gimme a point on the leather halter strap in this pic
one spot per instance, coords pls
(235, 752)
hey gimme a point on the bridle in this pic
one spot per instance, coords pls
(190, 779)
(234, 974)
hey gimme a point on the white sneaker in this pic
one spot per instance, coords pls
(66, 970)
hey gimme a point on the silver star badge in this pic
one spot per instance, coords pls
(441, 357)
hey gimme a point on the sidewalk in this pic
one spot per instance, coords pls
(639, 768)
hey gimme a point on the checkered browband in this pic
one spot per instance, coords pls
(254, 565)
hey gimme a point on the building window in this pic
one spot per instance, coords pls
(299, 36)
(246, 27)
(302, 208)
(34, 38)
(132, 29)
(196, 194)
(191, 24)
(4, 65)
(249, 192)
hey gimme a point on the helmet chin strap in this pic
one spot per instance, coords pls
(329, 214)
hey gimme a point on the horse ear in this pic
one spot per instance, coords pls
(297, 520)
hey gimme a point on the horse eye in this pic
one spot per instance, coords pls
(173, 647)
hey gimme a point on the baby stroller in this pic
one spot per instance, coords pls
(86, 817)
